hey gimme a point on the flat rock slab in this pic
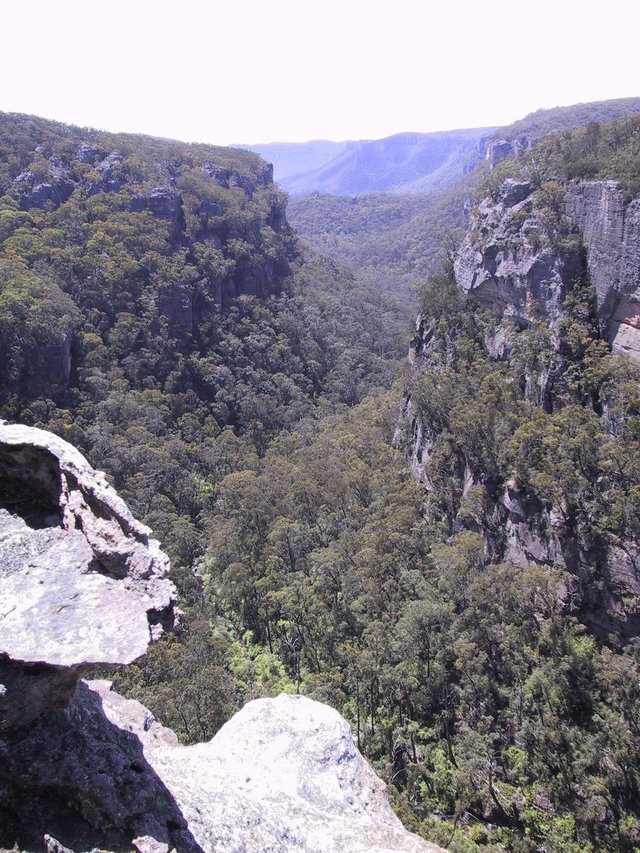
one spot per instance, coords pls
(81, 581)
(55, 609)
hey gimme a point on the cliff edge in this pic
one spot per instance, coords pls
(82, 583)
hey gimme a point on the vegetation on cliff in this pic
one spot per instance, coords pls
(157, 311)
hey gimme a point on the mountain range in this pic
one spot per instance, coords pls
(414, 162)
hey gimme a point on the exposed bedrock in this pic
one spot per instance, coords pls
(282, 775)
(83, 769)
(610, 230)
(512, 260)
(81, 581)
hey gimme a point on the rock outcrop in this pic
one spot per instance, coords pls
(524, 251)
(81, 581)
(498, 150)
(83, 769)
(281, 775)
(610, 229)
(511, 260)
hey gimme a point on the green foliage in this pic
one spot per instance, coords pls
(390, 241)
(186, 681)
(547, 121)
(597, 151)
(467, 683)
(237, 393)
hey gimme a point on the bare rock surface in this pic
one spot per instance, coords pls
(611, 232)
(303, 786)
(282, 775)
(81, 581)
(83, 769)
(508, 259)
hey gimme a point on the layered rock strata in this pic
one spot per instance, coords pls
(610, 229)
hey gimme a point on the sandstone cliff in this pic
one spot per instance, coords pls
(81, 768)
(526, 250)
(610, 228)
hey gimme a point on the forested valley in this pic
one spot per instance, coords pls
(245, 395)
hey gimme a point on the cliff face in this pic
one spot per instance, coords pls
(514, 262)
(525, 250)
(511, 259)
(610, 229)
(81, 584)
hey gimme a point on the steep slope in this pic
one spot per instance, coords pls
(521, 423)
(155, 308)
(394, 239)
(534, 249)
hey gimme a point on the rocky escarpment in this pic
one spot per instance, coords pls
(518, 256)
(528, 251)
(100, 228)
(610, 228)
(514, 258)
(81, 768)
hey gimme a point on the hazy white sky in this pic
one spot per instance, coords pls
(228, 71)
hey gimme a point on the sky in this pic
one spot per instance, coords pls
(245, 71)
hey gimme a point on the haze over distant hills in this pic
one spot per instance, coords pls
(414, 162)
(403, 163)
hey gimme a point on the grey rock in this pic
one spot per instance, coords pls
(81, 581)
(611, 233)
(49, 194)
(84, 781)
(237, 180)
(218, 174)
(498, 150)
(209, 208)
(509, 262)
(514, 192)
(87, 153)
(112, 177)
(163, 203)
(282, 775)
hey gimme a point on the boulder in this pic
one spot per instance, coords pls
(82, 768)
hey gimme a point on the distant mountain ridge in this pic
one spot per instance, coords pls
(403, 163)
(415, 162)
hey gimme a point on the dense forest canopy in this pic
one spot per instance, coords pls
(157, 310)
